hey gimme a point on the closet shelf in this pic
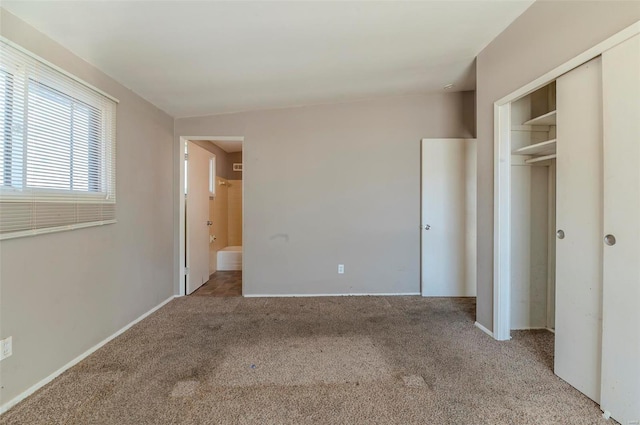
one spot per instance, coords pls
(547, 119)
(547, 147)
(539, 159)
(531, 128)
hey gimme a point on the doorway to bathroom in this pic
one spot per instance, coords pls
(213, 216)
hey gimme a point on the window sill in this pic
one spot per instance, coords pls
(34, 232)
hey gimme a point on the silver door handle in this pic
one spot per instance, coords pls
(560, 234)
(610, 240)
(426, 227)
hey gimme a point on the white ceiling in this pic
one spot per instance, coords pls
(200, 58)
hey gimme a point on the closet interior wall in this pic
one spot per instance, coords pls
(533, 132)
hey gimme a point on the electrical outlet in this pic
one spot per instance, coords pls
(6, 348)
(340, 268)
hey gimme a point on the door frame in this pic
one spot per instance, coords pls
(179, 207)
(502, 180)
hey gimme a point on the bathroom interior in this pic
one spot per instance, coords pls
(225, 216)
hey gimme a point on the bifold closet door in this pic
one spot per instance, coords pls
(579, 228)
(621, 288)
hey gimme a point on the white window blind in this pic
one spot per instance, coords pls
(57, 158)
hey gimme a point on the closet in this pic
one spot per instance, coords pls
(533, 181)
(575, 224)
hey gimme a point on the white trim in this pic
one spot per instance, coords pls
(244, 226)
(214, 139)
(222, 139)
(382, 294)
(502, 177)
(534, 328)
(57, 68)
(502, 216)
(483, 329)
(182, 241)
(8, 405)
(45, 230)
(181, 140)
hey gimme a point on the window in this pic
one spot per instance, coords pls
(212, 175)
(57, 157)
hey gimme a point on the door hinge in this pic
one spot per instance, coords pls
(186, 156)
(186, 271)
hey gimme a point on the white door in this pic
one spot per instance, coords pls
(448, 218)
(579, 225)
(197, 216)
(621, 288)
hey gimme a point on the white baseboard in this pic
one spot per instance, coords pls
(534, 328)
(488, 332)
(483, 329)
(395, 294)
(8, 405)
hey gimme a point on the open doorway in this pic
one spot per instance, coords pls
(213, 218)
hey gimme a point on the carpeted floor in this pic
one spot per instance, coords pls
(347, 360)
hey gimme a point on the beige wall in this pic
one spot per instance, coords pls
(235, 212)
(222, 159)
(545, 36)
(334, 184)
(63, 293)
(234, 158)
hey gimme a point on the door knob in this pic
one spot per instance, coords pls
(426, 227)
(209, 223)
(560, 234)
(610, 240)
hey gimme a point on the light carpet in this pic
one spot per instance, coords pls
(342, 360)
